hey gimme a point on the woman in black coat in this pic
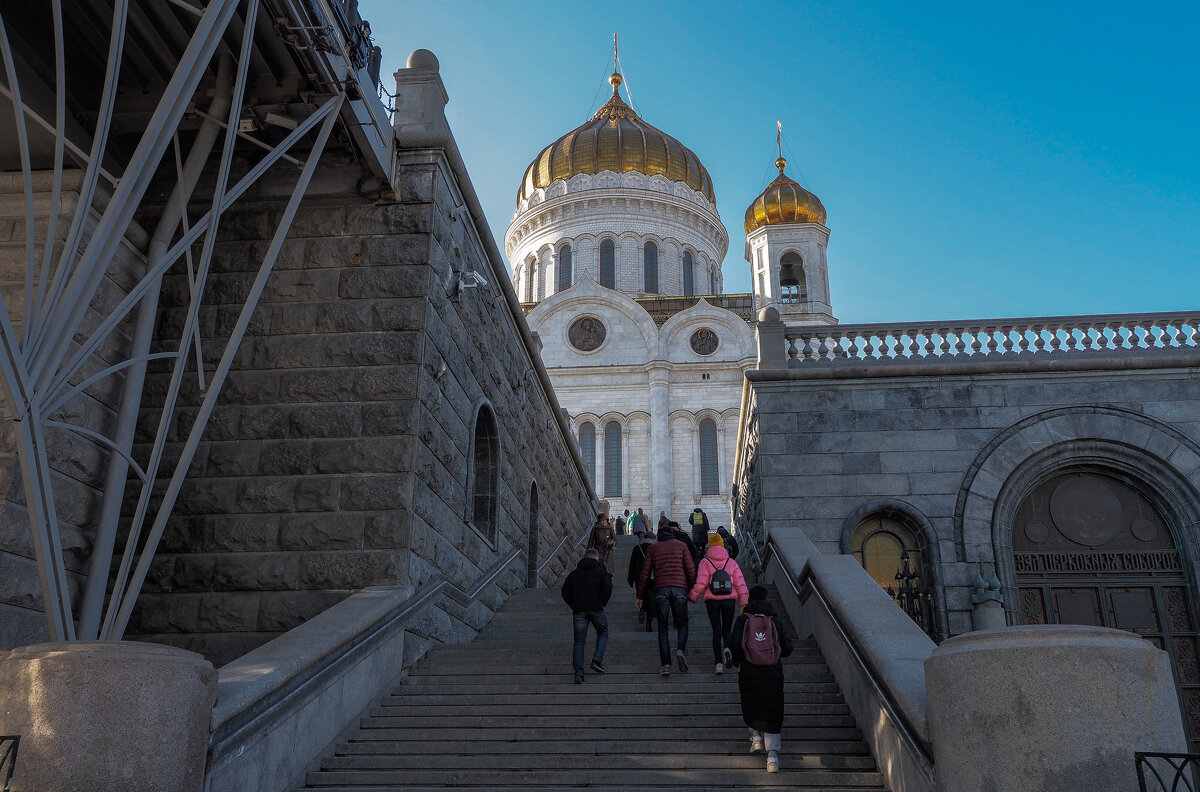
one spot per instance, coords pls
(761, 686)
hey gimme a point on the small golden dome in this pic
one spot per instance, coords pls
(784, 201)
(616, 139)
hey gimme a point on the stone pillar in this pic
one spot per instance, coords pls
(987, 605)
(772, 353)
(722, 456)
(107, 715)
(1048, 708)
(661, 483)
(695, 430)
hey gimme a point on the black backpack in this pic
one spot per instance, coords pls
(720, 584)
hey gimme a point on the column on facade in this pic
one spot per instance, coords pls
(695, 428)
(722, 456)
(661, 484)
(626, 492)
(550, 270)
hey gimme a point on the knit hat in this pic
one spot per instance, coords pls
(715, 540)
(757, 593)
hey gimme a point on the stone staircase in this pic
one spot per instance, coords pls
(504, 713)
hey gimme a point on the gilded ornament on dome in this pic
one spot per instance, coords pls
(587, 333)
(704, 341)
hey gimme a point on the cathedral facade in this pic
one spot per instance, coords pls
(616, 248)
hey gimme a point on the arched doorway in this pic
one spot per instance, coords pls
(894, 555)
(531, 570)
(1090, 546)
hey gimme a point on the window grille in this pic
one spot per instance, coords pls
(650, 267)
(709, 475)
(689, 287)
(564, 268)
(608, 274)
(612, 460)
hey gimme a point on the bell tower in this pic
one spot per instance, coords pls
(786, 239)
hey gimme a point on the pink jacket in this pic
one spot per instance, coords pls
(712, 561)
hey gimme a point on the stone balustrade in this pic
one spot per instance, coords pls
(956, 339)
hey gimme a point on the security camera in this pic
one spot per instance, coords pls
(471, 279)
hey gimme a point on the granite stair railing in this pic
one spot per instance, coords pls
(503, 713)
(993, 337)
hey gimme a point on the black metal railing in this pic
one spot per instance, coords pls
(1165, 772)
(8, 760)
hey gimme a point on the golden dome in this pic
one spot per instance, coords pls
(784, 201)
(616, 139)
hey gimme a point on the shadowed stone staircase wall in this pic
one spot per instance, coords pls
(338, 456)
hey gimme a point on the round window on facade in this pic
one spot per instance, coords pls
(704, 341)
(587, 333)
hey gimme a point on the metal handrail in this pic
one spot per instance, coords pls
(8, 760)
(554, 553)
(1182, 776)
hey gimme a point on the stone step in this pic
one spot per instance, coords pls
(607, 709)
(371, 729)
(690, 684)
(816, 694)
(764, 784)
(616, 760)
(588, 720)
(583, 744)
(607, 778)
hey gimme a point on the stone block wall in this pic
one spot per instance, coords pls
(944, 445)
(77, 463)
(337, 457)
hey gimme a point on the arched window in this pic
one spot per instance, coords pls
(531, 559)
(608, 264)
(712, 280)
(709, 479)
(612, 460)
(792, 286)
(564, 268)
(587, 449)
(483, 478)
(530, 276)
(650, 267)
(893, 554)
(689, 287)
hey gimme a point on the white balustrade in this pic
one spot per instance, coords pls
(992, 337)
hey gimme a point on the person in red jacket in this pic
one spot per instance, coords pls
(669, 561)
(722, 606)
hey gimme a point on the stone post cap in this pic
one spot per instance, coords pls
(768, 314)
(1074, 637)
(420, 96)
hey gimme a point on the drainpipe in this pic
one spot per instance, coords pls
(135, 376)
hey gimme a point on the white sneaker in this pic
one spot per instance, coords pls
(756, 745)
(720, 668)
(772, 762)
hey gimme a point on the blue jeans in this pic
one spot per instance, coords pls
(671, 602)
(720, 616)
(579, 622)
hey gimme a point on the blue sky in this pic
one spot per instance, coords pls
(976, 160)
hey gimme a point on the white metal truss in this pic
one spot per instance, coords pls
(46, 360)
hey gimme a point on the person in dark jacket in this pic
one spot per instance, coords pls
(761, 687)
(731, 544)
(637, 557)
(587, 591)
(603, 539)
(674, 573)
(684, 537)
(699, 522)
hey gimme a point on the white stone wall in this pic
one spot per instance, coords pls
(613, 382)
